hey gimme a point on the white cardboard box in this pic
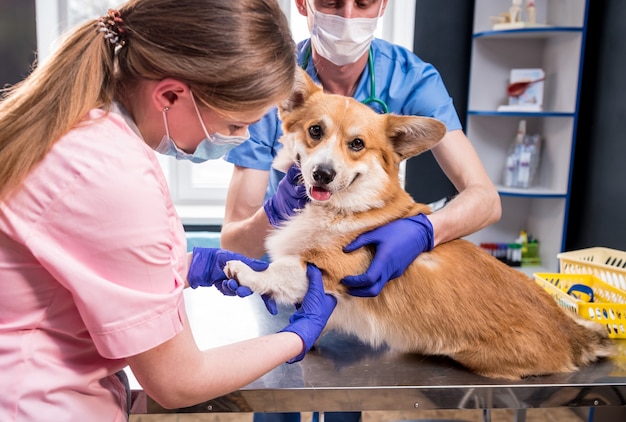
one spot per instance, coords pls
(532, 98)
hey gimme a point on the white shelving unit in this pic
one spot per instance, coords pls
(557, 47)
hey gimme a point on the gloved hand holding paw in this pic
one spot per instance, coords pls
(207, 269)
(207, 265)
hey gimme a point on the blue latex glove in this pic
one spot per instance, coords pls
(290, 197)
(232, 288)
(397, 245)
(312, 315)
(207, 269)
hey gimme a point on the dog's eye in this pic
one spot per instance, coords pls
(356, 144)
(316, 132)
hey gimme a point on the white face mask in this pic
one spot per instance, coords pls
(341, 40)
(210, 148)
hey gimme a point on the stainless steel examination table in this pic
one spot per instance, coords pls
(342, 374)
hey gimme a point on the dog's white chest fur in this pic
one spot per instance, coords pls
(312, 228)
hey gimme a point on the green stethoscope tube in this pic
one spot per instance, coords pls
(372, 99)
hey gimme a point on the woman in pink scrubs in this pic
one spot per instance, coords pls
(92, 254)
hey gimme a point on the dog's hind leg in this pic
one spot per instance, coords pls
(284, 280)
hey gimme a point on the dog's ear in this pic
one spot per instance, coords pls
(303, 88)
(412, 135)
(287, 155)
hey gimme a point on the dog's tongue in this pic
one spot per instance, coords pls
(320, 194)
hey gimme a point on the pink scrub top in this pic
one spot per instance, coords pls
(92, 270)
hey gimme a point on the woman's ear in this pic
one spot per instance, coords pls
(167, 92)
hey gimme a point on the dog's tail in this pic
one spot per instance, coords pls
(591, 342)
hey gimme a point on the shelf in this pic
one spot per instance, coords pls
(538, 32)
(521, 113)
(532, 192)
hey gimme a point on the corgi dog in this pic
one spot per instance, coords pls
(456, 300)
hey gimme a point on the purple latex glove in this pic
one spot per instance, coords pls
(207, 269)
(290, 197)
(397, 245)
(233, 288)
(312, 315)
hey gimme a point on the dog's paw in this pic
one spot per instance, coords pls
(244, 275)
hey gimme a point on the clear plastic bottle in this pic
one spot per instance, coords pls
(511, 168)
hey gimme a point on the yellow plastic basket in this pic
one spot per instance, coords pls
(608, 306)
(607, 264)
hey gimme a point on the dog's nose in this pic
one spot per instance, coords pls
(323, 174)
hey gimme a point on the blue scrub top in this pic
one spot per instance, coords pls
(407, 84)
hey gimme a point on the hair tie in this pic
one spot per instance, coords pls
(111, 26)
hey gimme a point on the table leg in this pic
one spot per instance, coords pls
(520, 415)
(486, 415)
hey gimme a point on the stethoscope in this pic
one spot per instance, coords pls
(372, 100)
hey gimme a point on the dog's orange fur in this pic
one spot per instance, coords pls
(456, 300)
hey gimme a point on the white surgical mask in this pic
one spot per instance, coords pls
(210, 148)
(342, 40)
